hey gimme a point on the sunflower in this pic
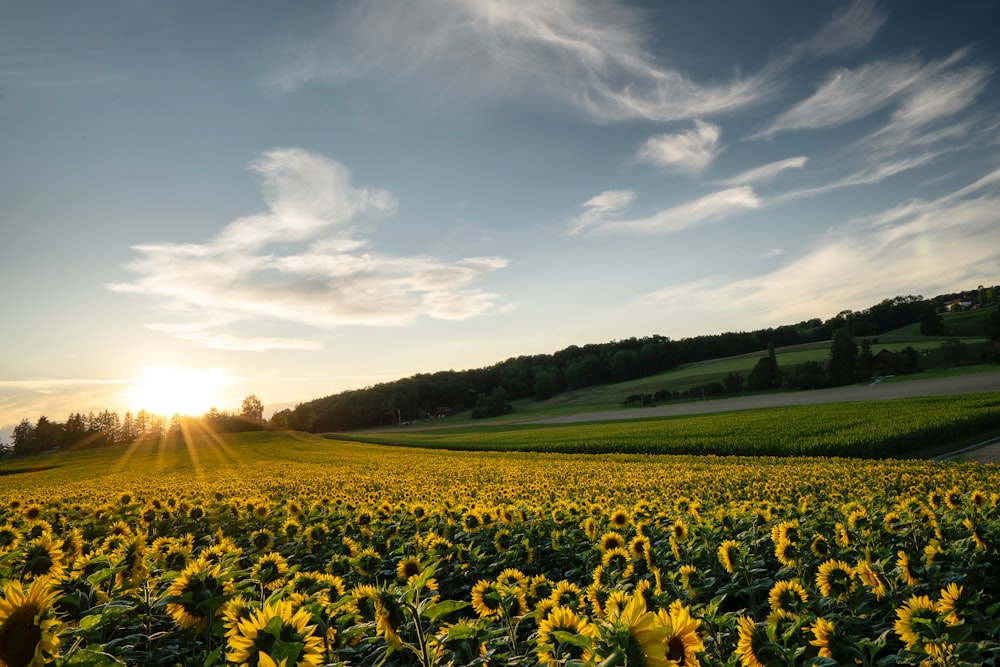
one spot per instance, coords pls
(639, 548)
(567, 594)
(408, 567)
(824, 637)
(119, 528)
(540, 587)
(727, 551)
(785, 531)
(472, 521)
(597, 596)
(258, 637)
(788, 598)
(893, 523)
(687, 573)
(950, 602)
(870, 578)
(513, 578)
(560, 619)
(387, 611)
(619, 518)
(748, 645)
(611, 540)
(917, 615)
(819, 546)
(197, 593)
(10, 537)
(235, 610)
(261, 539)
(43, 557)
(679, 531)
(835, 579)
(367, 562)
(589, 527)
(28, 628)
(32, 512)
(967, 522)
(269, 571)
(132, 560)
(72, 545)
(319, 583)
(906, 572)
(681, 641)
(486, 599)
(637, 634)
(617, 564)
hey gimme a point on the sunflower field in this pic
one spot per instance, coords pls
(286, 549)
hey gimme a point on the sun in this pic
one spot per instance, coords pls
(168, 391)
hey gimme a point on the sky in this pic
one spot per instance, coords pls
(210, 200)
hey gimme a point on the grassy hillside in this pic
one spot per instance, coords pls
(684, 377)
(969, 323)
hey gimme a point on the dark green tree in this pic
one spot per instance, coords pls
(843, 359)
(866, 360)
(765, 374)
(493, 405)
(931, 324)
(546, 384)
(24, 438)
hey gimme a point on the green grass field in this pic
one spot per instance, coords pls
(611, 396)
(871, 429)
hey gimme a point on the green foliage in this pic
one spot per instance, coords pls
(765, 374)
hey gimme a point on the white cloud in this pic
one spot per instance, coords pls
(690, 151)
(609, 203)
(847, 95)
(924, 247)
(852, 28)
(766, 172)
(589, 55)
(870, 174)
(301, 262)
(711, 207)
(925, 92)
(941, 96)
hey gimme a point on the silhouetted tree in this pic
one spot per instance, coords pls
(252, 408)
(843, 359)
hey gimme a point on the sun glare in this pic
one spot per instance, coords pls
(169, 391)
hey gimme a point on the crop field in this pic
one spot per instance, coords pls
(279, 548)
(698, 374)
(870, 429)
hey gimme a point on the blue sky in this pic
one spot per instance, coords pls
(294, 199)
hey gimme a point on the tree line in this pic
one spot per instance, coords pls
(106, 428)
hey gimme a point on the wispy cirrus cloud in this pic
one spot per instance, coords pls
(766, 172)
(852, 28)
(929, 246)
(924, 92)
(690, 151)
(590, 56)
(715, 206)
(302, 262)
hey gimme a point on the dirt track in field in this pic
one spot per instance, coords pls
(959, 384)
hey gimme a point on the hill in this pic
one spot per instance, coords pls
(904, 334)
